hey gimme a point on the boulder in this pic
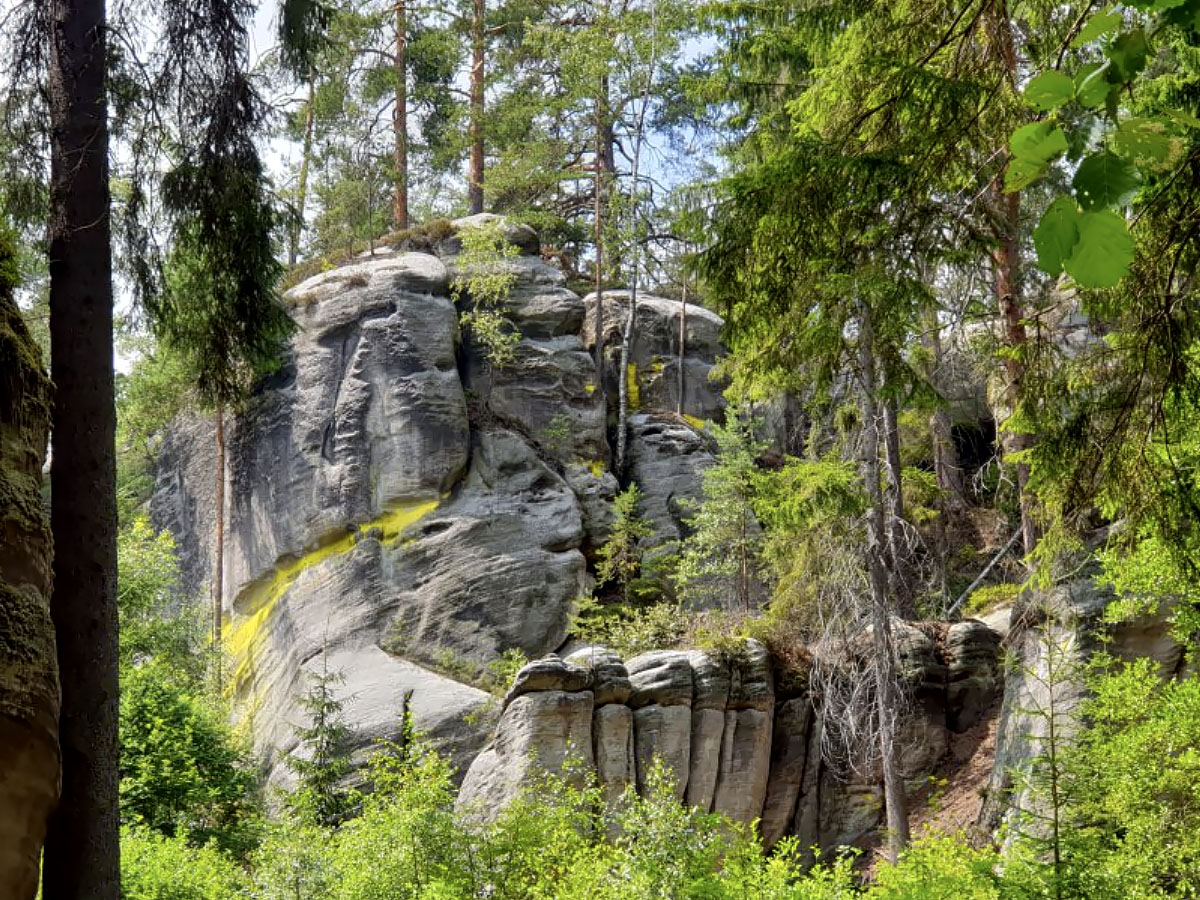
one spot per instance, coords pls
(654, 364)
(610, 678)
(549, 674)
(745, 764)
(662, 677)
(612, 740)
(666, 459)
(663, 733)
(972, 673)
(538, 732)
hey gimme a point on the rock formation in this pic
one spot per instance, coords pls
(1050, 638)
(402, 510)
(732, 742)
(29, 691)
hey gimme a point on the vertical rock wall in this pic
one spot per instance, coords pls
(29, 691)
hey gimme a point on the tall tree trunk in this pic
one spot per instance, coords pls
(475, 176)
(1006, 266)
(1006, 262)
(682, 350)
(883, 661)
(946, 466)
(599, 187)
(29, 692)
(82, 849)
(400, 119)
(898, 570)
(624, 376)
(219, 573)
(305, 162)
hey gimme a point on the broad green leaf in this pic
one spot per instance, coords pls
(1091, 84)
(1145, 143)
(1056, 235)
(1033, 148)
(1104, 179)
(1104, 250)
(1049, 90)
(1100, 24)
(1128, 53)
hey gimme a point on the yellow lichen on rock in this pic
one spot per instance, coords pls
(633, 389)
(259, 601)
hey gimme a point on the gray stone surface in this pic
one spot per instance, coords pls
(655, 356)
(610, 678)
(549, 674)
(537, 732)
(789, 753)
(666, 459)
(662, 677)
(972, 673)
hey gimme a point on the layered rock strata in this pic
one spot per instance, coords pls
(730, 739)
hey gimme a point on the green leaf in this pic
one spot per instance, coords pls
(1145, 143)
(1104, 251)
(1100, 24)
(1056, 235)
(1104, 179)
(1033, 148)
(1128, 53)
(1091, 84)
(1049, 90)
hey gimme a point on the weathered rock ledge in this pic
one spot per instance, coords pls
(732, 741)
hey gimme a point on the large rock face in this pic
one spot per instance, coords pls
(717, 725)
(29, 692)
(402, 511)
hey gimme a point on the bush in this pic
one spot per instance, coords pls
(156, 867)
(183, 775)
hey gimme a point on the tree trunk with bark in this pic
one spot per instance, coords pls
(883, 666)
(599, 186)
(475, 175)
(82, 849)
(400, 119)
(29, 691)
(1006, 269)
(305, 163)
(1006, 261)
(682, 350)
(899, 582)
(219, 567)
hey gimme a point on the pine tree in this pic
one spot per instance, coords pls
(321, 761)
(721, 558)
(620, 559)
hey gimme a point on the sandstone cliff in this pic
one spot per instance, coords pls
(402, 511)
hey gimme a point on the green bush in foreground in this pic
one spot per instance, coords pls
(1135, 833)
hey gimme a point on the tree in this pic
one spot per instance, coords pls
(721, 556)
(814, 261)
(81, 853)
(620, 559)
(320, 762)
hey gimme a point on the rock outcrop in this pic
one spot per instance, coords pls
(1050, 638)
(29, 690)
(403, 511)
(730, 742)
